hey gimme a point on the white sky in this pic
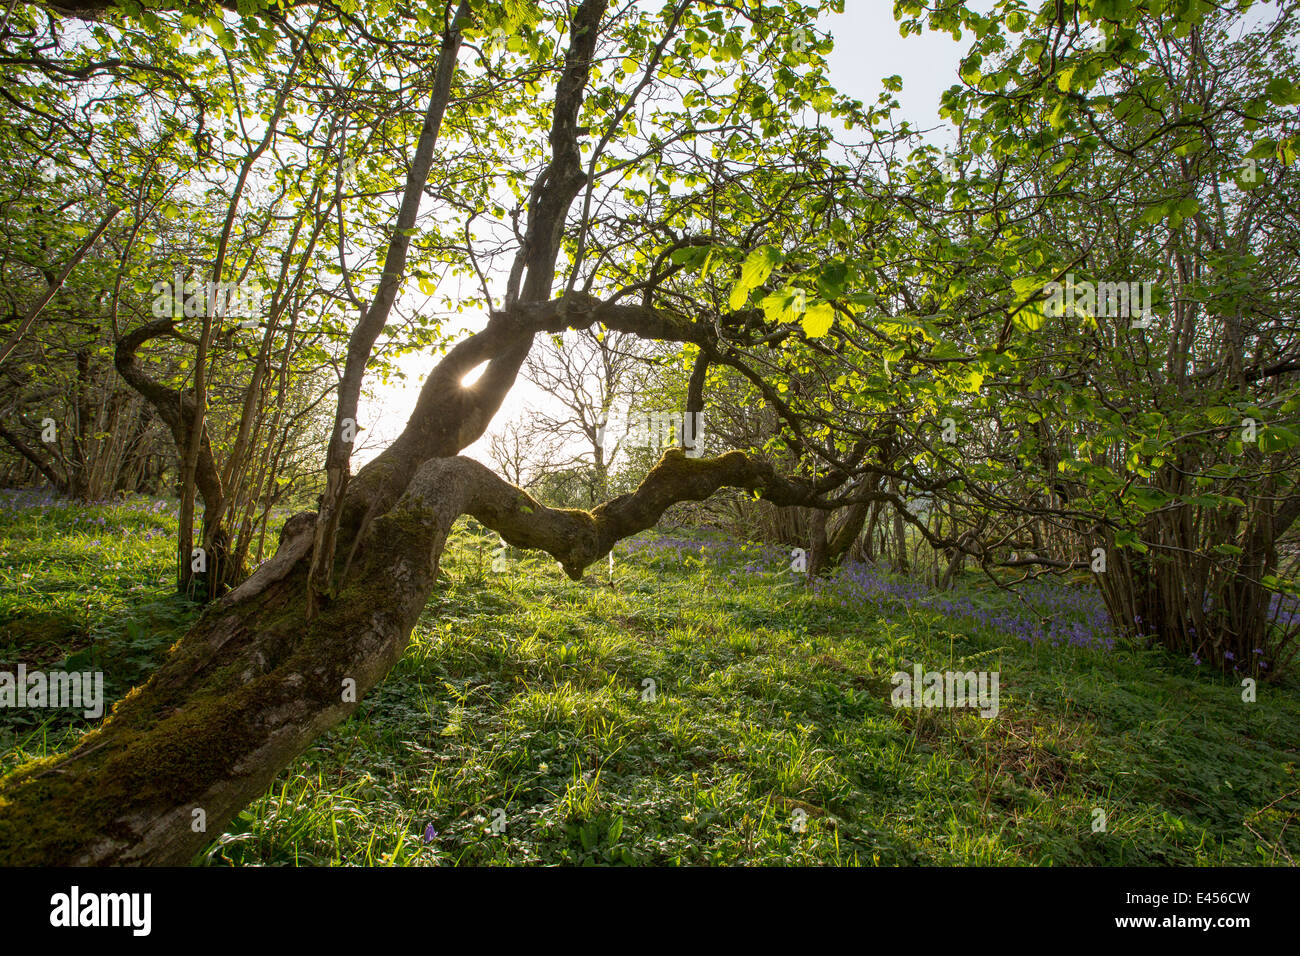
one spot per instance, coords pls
(868, 48)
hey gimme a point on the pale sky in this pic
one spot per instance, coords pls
(868, 48)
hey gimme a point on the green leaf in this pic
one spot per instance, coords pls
(817, 321)
(757, 267)
(782, 305)
(1147, 498)
(1282, 91)
(1029, 319)
(1276, 438)
(832, 280)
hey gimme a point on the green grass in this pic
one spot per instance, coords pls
(524, 692)
(83, 588)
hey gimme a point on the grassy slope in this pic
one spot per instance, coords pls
(523, 692)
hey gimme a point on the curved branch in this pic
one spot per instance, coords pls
(578, 538)
(174, 407)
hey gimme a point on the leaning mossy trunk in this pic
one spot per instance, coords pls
(245, 691)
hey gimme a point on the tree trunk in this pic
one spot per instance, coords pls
(900, 535)
(818, 553)
(842, 538)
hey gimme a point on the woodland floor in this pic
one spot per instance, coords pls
(525, 692)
